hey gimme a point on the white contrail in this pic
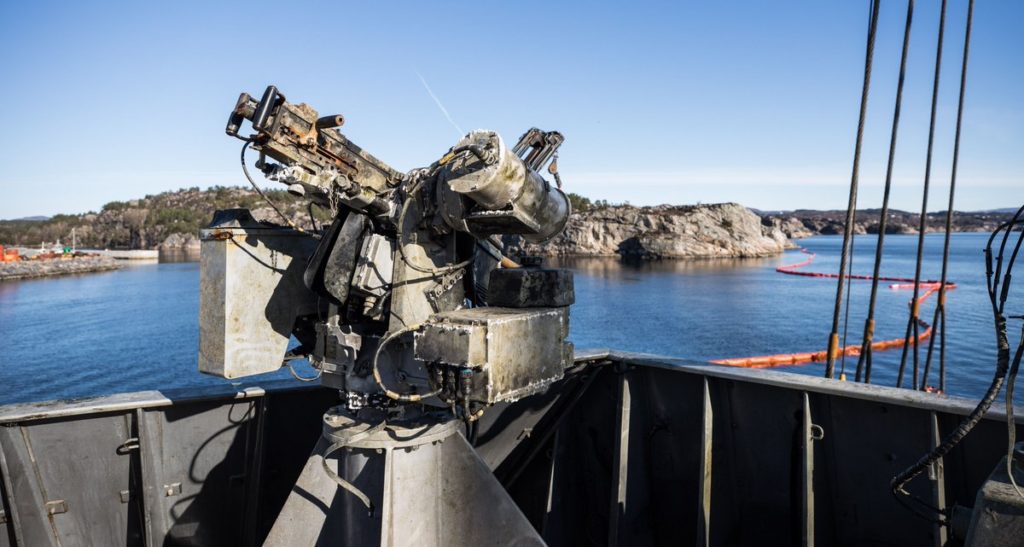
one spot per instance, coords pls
(439, 105)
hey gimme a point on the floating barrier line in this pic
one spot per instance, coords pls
(786, 359)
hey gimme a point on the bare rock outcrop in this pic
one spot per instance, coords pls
(722, 230)
(180, 242)
(791, 226)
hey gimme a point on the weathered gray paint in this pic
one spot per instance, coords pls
(214, 466)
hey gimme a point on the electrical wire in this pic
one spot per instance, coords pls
(1003, 367)
(303, 378)
(998, 295)
(292, 225)
(394, 395)
(864, 361)
(833, 341)
(433, 271)
(1011, 426)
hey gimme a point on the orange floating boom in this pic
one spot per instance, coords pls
(786, 359)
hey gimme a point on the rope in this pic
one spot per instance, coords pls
(864, 361)
(833, 341)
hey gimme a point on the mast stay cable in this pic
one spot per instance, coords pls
(915, 303)
(833, 341)
(899, 482)
(864, 360)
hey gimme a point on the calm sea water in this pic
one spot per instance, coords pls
(137, 328)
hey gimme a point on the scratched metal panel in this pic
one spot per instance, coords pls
(867, 443)
(581, 481)
(8, 535)
(292, 426)
(67, 478)
(664, 438)
(198, 458)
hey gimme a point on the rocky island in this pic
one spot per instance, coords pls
(724, 230)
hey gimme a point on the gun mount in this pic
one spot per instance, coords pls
(404, 303)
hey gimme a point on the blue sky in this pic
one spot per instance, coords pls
(660, 102)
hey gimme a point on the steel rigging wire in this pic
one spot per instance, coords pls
(864, 360)
(940, 308)
(915, 306)
(998, 288)
(849, 268)
(833, 341)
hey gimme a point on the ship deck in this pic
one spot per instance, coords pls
(627, 449)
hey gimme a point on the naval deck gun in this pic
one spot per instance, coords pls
(404, 304)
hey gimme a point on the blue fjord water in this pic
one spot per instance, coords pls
(137, 328)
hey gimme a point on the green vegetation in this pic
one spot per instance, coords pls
(145, 223)
(581, 203)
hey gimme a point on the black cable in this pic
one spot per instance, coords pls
(833, 340)
(292, 225)
(864, 361)
(915, 306)
(1009, 268)
(1011, 427)
(400, 225)
(394, 395)
(312, 218)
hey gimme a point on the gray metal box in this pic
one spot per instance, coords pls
(251, 291)
(517, 352)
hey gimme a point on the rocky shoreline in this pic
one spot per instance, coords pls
(31, 269)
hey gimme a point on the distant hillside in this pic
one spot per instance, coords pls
(176, 217)
(804, 222)
(36, 218)
(145, 223)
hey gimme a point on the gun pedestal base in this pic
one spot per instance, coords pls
(425, 483)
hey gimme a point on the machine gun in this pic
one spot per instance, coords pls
(404, 303)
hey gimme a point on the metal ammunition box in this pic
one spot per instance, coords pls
(514, 352)
(251, 291)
